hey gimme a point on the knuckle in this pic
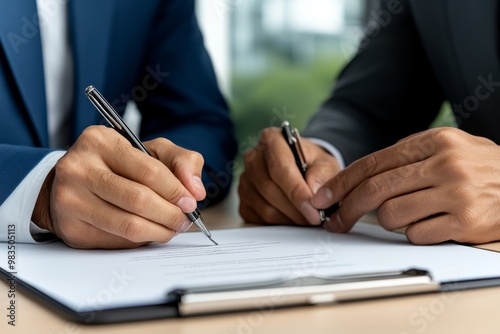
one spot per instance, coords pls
(186, 158)
(137, 199)
(270, 215)
(149, 173)
(176, 191)
(374, 187)
(413, 236)
(340, 182)
(387, 216)
(267, 135)
(295, 192)
(369, 164)
(446, 136)
(249, 157)
(70, 234)
(67, 168)
(196, 158)
(94, 133)
(132, 229)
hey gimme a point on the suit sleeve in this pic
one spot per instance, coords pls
(386, 92)
(22, 173)
(24, 196)
(187, 106)
(17, 162)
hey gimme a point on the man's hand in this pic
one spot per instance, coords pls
(441, 184)
(272, 189)
(104, 193)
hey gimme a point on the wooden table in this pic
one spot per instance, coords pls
(472, 311)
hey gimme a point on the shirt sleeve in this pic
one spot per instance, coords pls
(17, 208)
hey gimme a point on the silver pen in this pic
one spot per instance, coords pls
(117, 123)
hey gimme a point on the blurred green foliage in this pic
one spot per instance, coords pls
(288, 91)
(445, 117)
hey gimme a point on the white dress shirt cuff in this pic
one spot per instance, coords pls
(18, 207)
(331, 149)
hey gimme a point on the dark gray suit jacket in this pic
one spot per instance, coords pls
(425, 52)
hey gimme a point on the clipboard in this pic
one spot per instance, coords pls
(300, 291)
(416, 270)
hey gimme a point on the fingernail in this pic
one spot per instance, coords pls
(198, 183)
(187, 204)
(323, 197)
(311, 214)
(186, 226)
(315, 187)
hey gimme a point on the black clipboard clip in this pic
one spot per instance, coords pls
(301, 291)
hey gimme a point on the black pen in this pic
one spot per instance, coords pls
(292, 138)
(117, 123)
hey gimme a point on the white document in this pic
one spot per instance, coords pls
(90, 280)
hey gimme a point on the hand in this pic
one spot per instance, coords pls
(441, 184)
(272, 189)
(104, 193)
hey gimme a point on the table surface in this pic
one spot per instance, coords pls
(471, 311)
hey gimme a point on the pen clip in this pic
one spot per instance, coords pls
(293, 139)
(300, 152)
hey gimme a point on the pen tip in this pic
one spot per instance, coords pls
(213, 241)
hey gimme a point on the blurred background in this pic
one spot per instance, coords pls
(278, 59)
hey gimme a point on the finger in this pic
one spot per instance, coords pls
(107, 227)
(379, 189)
(137, 199)
(136, 166)
(338, 187)
(434, 230)
(322, 167)
(412, 136)
(256, 209)
(286, 175)
(124, 224)
(270, 193)
(405, 210)
(185, 164)
(90, 237)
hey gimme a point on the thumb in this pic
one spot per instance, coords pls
(322, 167)
(186, 165)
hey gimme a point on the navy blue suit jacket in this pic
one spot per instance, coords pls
(150, 51)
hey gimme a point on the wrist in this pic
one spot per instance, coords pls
(41, 213)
